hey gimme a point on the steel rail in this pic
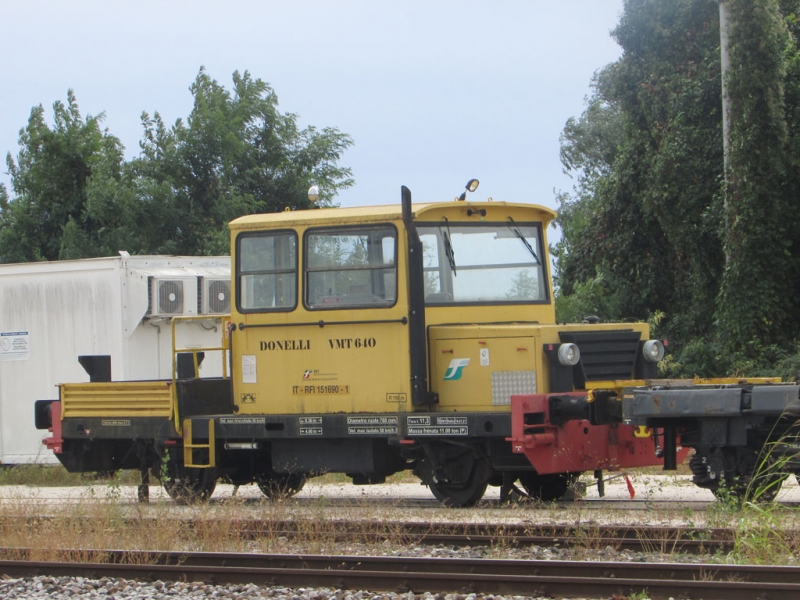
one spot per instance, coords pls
(518, 577)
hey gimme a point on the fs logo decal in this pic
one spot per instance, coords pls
(455, 369)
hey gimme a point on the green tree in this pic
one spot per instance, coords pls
(650, 222)
(47, 219)
(756, 301)
(235, 154)
(642, 223)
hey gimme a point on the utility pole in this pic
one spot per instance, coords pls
(726, 110)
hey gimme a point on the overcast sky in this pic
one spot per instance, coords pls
(433, 92)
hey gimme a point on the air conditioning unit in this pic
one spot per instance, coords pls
(171, 297)
(216, 296)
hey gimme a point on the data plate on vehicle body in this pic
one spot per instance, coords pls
(321, 390)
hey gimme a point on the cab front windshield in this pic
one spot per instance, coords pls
(483, 263)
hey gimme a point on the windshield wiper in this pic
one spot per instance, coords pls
(448, 246)
(518, 233)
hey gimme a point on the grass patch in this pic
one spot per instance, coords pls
(58, 476)
(107, 517)
(104, 520)
(104, 517)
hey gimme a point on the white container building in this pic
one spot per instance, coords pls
(53, 312)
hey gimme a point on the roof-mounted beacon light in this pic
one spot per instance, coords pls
(313, 193)
(471, 186)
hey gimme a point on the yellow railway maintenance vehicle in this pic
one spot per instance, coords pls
(369, 341)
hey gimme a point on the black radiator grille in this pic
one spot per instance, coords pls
(605, 355)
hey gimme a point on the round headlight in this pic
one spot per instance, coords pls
(653, 350)
(569, 355)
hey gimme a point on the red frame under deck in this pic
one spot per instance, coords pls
(577, 446)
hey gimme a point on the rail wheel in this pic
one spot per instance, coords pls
(459, 496)
(547, 487)
(461, 478)
(188, 485)
(750, 479)
(277, 486)
(762, 488)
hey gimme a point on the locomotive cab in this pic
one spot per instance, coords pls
(325, 310)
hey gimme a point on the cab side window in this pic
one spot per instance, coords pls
(267, 271)
(353, 267)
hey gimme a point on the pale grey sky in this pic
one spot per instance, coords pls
(433, 92)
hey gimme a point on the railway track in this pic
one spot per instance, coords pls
(531, 578)
(648, 539)
(422, 504)
(653, 491)
(675, 498)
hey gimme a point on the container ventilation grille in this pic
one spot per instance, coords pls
(218, 296)
(170, 297)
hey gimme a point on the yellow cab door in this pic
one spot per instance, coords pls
(320, 316)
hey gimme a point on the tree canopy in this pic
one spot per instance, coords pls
(75, 196)
(651, 228)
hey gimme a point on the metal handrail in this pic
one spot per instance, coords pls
(224, 347)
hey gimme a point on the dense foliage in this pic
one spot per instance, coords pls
(756, 300)
(651, 229)
(235, 154)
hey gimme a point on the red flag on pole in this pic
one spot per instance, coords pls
(631, 491)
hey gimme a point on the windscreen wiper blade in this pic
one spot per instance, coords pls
(524, 240)
(448, 246)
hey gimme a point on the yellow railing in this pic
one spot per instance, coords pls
(224, 348)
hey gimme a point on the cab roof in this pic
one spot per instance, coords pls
(455, 211)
